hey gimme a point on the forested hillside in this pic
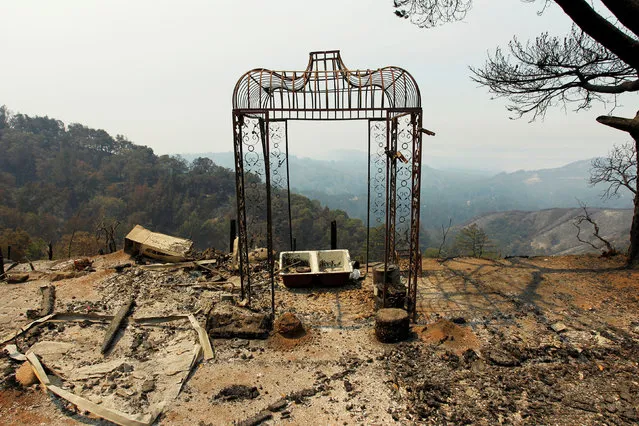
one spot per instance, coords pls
(61, 183)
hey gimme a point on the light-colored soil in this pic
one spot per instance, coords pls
(485, 347)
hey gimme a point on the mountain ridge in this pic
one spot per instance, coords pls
(341, 184)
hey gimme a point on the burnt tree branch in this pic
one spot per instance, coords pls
(585, 217)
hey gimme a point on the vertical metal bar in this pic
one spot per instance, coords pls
(388, 137)
(245, 279)
(326, 81)
(392, 185)
(232, 233)
(416, 257)
(391, 197)
(368, 199)
(288, 187)
(263, 122)
(333, 235)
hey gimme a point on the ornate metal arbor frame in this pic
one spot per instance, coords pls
(264, 101)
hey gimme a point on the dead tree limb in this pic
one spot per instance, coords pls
(444, 234)
(585, 217)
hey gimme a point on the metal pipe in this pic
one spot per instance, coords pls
(334, 235)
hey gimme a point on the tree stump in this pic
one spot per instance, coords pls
(391, 325)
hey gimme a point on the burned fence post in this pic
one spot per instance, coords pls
(294, 244)
(8, 252)
(1, 263)
(50, 251)
(334, 235)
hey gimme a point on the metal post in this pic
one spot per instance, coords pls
(391, 196)
(334, 235)
(232, 234)
(263, 124)
(288, 188)
(368, 198)
(245, 278)
(415, 253)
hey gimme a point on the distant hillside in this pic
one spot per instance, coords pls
(461, 195)
(60, 182)
(551, 231)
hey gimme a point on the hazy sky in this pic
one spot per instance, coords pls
(162, 73)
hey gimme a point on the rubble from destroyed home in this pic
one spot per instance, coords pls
(127, 339)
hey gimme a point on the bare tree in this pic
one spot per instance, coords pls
(597, 61)
(557, 71)
(618, 170)
(444, 235)
(579, 222)
(107, 229)
(429, 13)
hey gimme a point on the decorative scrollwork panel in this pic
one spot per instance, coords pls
(280, 207)
(377, 188)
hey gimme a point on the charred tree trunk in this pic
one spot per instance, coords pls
(633, 251)
(630, 125)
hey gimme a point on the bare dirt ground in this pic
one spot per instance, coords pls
(521, 341)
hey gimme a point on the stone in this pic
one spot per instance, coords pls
(289, 325)
(558, 327)
(391, 325)
(148, 386)
(348, 387)
(239, 343)
(125, 368)
(502, 358)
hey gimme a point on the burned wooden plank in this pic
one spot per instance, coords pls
(116, 324)
(47, 304)
(48, 300)
(257, 419)
(4, 274)
(17, 278)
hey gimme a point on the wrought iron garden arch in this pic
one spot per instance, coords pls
(264, 101)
